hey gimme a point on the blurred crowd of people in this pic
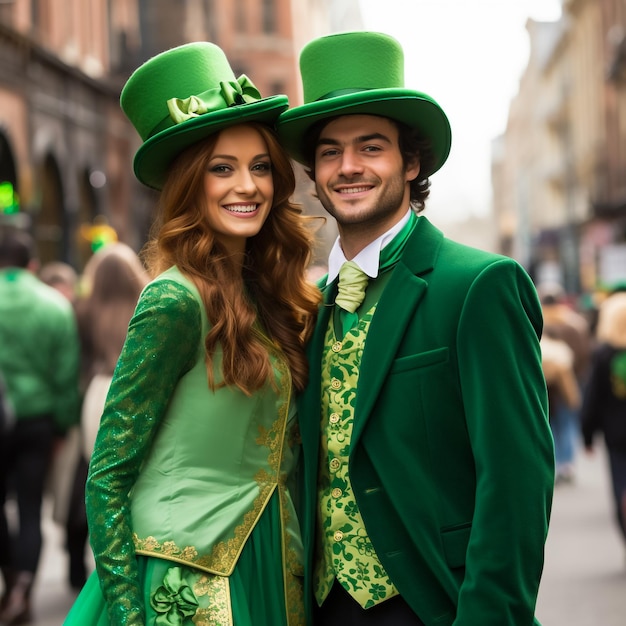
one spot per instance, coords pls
(584, 361)
(61, 333)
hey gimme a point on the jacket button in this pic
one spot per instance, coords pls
(335, 464)
(338, 536)
(335, 383)
(336, 492)
(336, 346)
(334, 418)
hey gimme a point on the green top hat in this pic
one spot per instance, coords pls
(183, 95)
(361, 73)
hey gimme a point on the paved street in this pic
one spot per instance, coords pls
(584, 582)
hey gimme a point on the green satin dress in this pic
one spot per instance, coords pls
(215, 541)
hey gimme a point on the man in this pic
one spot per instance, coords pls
(39, 357)
(428, 458)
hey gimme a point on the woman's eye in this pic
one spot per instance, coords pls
(220, 169)
(264, 166)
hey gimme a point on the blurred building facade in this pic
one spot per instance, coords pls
(559, 169)
(66, 148)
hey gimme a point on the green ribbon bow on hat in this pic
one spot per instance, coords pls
(228, 94)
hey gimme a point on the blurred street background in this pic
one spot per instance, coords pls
(534, 90)
(584, 582)
(550, 167)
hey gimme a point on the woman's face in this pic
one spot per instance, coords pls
(239, 186)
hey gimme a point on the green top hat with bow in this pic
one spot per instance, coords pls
(181, 96)
(361, 73)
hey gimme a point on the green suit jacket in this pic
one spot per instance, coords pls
(451, 458)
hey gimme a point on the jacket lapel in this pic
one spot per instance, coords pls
(396, 308)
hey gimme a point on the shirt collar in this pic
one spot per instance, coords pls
(368, 259)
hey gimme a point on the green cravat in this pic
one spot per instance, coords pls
(351, 287)
(350, 293)
(353, 280)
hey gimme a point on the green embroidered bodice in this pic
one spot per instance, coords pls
(178, 471)
(343, 548)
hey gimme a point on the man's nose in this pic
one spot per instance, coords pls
(350, 163)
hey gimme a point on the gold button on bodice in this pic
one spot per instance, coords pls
(334, 418)
(336, 492)
(338, 536)
(336, 346)
(335, 383)
(335, 464)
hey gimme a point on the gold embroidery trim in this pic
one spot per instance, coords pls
(219, 611)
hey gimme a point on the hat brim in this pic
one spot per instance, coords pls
(413, 108)
(157, 153)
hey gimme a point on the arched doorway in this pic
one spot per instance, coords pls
(50, 223)
(9, 197)
(87, 211)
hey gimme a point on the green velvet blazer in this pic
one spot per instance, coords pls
(451, 458)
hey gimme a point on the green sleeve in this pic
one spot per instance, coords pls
(505, 405)
(163, 341)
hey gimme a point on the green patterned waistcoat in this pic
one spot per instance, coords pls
(344, 550)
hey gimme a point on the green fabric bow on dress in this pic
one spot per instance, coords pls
(231, 93)
(174, 600)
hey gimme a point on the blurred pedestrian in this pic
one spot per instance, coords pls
(39, 357)
(112, 281)
(604, 398)
(563, 323)
(110, 286)
(68, 469)
(557, 360)
(189, 499)
(428, 459)
(62, 276)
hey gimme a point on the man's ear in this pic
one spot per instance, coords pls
(412, 169)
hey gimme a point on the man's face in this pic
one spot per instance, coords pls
(360, 177)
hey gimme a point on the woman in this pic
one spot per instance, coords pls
(188, 496)
(112, 282)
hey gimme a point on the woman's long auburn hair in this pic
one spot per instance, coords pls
(277, 292)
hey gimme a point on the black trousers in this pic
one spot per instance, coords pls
(30, 448)
(5, 542)
(340, 609)
(617, 465)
